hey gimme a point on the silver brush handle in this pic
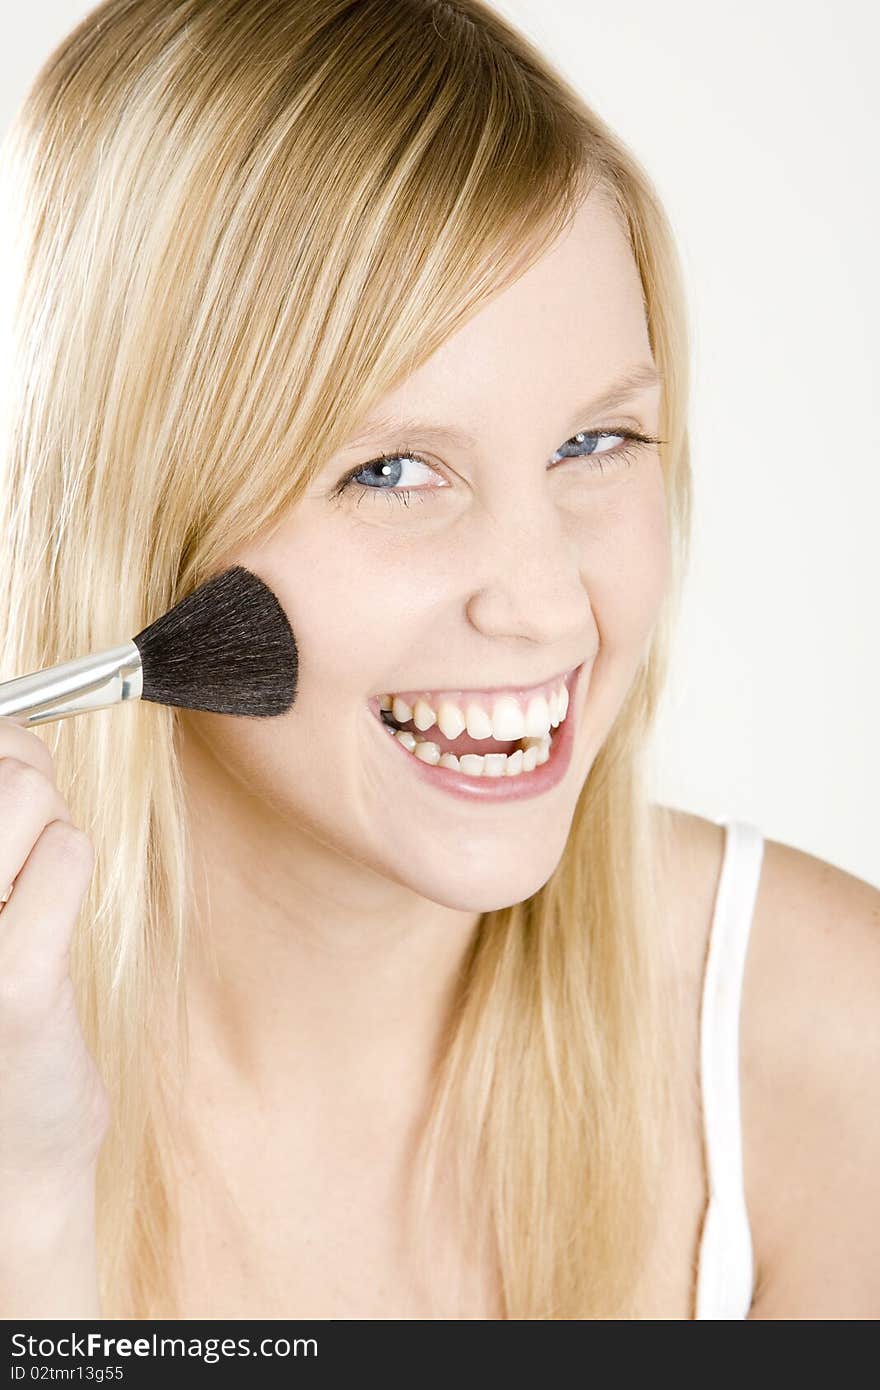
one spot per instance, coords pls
(88, 682)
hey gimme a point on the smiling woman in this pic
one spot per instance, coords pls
(395, 996)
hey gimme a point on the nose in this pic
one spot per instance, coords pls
(525, 565)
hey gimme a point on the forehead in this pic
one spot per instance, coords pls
(570, 324)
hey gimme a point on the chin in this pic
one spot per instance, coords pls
(482, 892)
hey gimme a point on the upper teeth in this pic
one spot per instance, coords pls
(509, 718)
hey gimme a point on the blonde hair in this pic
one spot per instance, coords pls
(236, 224)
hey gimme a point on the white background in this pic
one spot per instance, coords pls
(760, 126)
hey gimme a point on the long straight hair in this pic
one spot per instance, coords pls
(234, 225)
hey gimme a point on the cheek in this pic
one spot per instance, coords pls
(626, 562)
(349, 592)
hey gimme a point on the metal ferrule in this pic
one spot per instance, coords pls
(89, 682)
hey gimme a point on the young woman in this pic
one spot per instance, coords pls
(408, 1003)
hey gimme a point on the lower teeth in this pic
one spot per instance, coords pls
(531, 753)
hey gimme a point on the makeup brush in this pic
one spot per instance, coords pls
(227, 647)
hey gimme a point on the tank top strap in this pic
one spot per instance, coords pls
(726, 1266)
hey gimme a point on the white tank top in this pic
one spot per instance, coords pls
(725, 1269)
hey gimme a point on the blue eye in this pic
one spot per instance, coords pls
(389, 466)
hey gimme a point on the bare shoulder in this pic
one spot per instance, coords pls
(810, 1059)
(809, 1066)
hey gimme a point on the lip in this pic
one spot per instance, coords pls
(525, 785)
(466, 693)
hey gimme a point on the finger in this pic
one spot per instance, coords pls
(37, 923)
(28, 802)
(24, 744)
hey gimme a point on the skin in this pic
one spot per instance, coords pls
(344, 890)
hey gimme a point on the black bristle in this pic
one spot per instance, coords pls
(227, 647)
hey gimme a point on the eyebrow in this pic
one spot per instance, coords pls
(618, 392)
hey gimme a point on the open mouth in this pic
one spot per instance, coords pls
(465, 744)
(477, 750)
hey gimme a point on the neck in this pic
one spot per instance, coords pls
(309, 977)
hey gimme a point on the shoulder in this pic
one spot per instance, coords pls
(810, 1066)
(810, 1057)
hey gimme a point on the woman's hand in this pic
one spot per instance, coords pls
(54, 1109)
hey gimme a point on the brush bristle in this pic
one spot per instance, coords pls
(227, 647)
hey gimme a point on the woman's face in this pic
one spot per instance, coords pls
(513, 560)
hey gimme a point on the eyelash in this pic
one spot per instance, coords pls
(625, 453)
